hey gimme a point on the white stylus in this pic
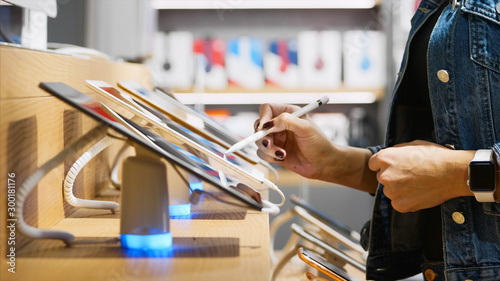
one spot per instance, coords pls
(260, 134)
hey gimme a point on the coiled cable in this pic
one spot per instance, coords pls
(75, 170)
(29, 184)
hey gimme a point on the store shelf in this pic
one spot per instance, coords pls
(265, 4)
(274, 94)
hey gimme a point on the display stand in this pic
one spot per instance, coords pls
(145, 219)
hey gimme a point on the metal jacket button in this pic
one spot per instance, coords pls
(498, 8)
(458, 217)
(430, 275)
(443, 76)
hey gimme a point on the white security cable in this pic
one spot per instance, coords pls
(269, 207)
(276, 188)
(75, 170)
(270, 167)
(30, 183)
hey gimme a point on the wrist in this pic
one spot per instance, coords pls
(349, 167)
(461, 170)
(329, 166)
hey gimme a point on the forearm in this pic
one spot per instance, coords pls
(348, 166)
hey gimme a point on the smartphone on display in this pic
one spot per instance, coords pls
(144, 138)
(323, 265)
(300, 231)
(333, 223)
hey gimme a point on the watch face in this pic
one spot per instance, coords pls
(482, 176)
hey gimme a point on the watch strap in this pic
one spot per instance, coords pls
(483, 155)
(485, 196)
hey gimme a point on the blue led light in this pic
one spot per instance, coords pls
(179, 210)
(196, 185)
(146, 242)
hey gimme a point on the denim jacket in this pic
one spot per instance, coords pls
(464, 48)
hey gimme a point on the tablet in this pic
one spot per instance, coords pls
(120, 101)
(142, 137)
(193, 120)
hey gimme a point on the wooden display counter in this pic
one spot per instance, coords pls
(210, 245)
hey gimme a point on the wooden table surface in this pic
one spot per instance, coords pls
(210, 246)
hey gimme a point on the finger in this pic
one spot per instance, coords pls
(388, 191)
(286, 121)
(374, 163)
(398, 203)
(267, 147)
(265, 114)
(268, 158)
(256, 125)
(265, 144)
(269, 111)
(279, 155)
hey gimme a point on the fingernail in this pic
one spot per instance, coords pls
(265, 143)
(279, 154)
(268, 125)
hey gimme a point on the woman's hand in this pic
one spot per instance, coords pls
(420, 174)
(296, 143)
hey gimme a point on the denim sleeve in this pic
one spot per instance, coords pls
(496, 149)
(374, 149)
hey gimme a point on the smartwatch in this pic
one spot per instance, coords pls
(482, 172)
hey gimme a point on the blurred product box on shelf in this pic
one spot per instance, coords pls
(280, 63)
(364, 59)
(172, 63)
(334, 125)
(214, 52)
(313, 60)
(244, 62)
(320, 59)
